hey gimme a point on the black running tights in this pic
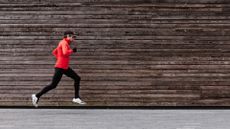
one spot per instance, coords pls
(56, 79)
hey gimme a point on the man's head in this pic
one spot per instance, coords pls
(69, 35)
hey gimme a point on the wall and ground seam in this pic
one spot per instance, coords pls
(130, 52)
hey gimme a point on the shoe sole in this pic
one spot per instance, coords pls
(35, 105)
(79, 103)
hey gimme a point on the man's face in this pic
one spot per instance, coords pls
(71, 37)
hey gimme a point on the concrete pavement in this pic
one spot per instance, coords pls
(113, 119)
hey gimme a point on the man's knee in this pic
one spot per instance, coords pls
(77, 79)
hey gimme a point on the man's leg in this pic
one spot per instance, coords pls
(70, 73)
(56, 79)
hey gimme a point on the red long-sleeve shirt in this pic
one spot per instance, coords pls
(62, 53)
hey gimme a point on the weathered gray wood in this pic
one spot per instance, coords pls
(130, 52)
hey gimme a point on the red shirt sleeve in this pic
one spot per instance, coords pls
(55, 52)
(66, 49)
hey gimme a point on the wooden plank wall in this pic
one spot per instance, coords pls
(130, 52)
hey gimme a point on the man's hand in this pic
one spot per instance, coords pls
(75, 49)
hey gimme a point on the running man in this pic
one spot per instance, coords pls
(62, 53)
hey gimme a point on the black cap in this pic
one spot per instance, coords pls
(68, 33)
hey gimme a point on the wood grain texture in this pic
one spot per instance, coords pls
(130, 52)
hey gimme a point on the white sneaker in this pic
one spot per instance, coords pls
(34, 100)
(78, 100)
